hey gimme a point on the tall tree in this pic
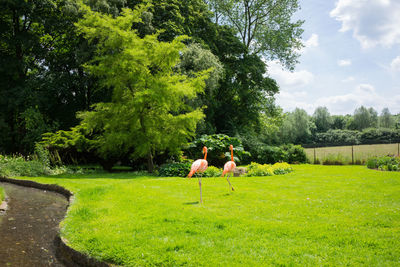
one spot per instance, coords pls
(147, 114)
(322, 119)
(265, 27)
(297, 127)
(364, 118)
(386, 119)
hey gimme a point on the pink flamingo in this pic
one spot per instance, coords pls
(229, 167)
(199, 165)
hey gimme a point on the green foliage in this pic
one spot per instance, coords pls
(349, 137)
(147, 114)
(295, 154)
(218, 149)
(266, 154)
(337, 137)
(385, 163)
(322, 119)
(296, 127)
(256, 169)
(386, 119)
(364, 118)
(176, 169)
(19, 166)
(182, 169)
(212, 172)
(264, 27)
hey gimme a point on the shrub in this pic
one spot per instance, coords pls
(295, 154)
(18, 166)
(211, 172)
(385, 163)
(281, 168)
(256, 169)
(265, 154)
(179, 169)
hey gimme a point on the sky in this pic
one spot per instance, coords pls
(351, 58)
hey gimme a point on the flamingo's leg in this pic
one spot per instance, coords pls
(227, 178)
(201, 199)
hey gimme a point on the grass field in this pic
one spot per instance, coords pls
(317, 215)
(344, 153)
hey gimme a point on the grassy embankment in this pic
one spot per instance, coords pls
(346, 154)
(317, 215)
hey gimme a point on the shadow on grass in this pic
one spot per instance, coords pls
(191, 203)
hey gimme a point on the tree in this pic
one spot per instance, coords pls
(147, 114)
(193, 60)
(338, 122)
(264, 26)
(364, 118)
(322, 119)
(297, 127)
(385, 119)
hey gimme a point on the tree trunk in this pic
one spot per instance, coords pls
(150, 164)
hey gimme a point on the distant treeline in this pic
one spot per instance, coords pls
(365, 126)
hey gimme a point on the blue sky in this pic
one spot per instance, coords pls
(351, 58)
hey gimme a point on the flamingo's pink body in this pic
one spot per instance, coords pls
(229, 167)
(199, 165)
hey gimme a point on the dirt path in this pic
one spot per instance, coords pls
(28, 229)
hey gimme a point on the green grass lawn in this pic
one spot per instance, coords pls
(317, 215)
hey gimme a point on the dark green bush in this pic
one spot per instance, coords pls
(176, 169)
(385, 163)
(182, 169)
(265, 154)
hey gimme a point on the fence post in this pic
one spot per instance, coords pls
(398, 149)
(314, 155)
(352, 155)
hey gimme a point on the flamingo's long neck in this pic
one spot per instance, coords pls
(232, 153)
(205, 155)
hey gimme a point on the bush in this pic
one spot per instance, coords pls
(265, 154)
(18, 166)
(256, 169)
(295, 154)
(385, 163)
(211, 172)
(281, 168)
(179, 169)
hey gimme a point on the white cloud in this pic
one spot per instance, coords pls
(362, 94)
(372, 22)
(344, 62)
(395, 65)
(289, 79)
(312, 42)
(348, 79)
